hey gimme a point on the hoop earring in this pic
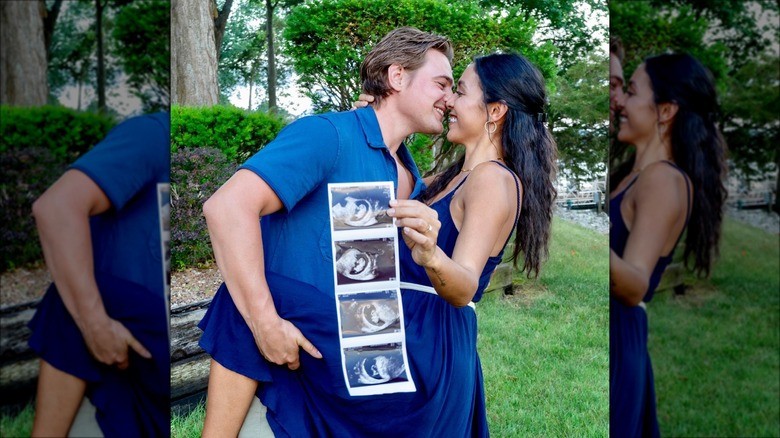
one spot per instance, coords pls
(489, 131)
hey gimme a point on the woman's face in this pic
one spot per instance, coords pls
(638, 112)
(467, 109)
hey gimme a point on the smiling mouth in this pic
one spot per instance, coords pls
(440, 111)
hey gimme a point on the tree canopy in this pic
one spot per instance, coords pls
(327, 40)
(736, 41)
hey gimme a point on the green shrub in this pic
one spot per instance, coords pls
(235, 132)
(65, 132)
(36, 145)
(196, 173)
(27, 173)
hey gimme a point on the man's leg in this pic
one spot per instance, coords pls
(57, 400)
(227, 402)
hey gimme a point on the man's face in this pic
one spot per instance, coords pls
(424, 93)
(616, 82)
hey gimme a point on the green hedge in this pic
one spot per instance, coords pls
(196, 173)
(36, 145)
(65, 132)
(235, 132)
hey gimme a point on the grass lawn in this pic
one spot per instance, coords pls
(545, 350)
(716, 349)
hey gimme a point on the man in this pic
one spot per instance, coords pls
(286, 185)
(101, 329)
(616, 80)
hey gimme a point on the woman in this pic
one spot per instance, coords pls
(504, 178)
(454, 237)
(674, 180)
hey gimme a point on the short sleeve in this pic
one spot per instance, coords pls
(298, 160)
(135, 153)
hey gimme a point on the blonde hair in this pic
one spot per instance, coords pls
(405, 46)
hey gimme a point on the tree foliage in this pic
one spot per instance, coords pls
(563, 23)
(734, 40)
(142, 42)
(328, 40)
(578, 120)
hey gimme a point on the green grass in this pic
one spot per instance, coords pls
(188, 426)
(545, 350)
(19, 424)
(716, 349)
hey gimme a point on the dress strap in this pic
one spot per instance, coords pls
(688, 205)
(517, 187)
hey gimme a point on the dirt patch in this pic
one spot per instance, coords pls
(23, 284)
(695, 296)
(190, 285)
(187, 286)
(525, 295)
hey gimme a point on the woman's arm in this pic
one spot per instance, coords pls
(659, 202)
(488, 202)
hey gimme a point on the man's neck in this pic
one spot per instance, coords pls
(394, 128)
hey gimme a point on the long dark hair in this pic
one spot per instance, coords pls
(698, 148)
(528, 148)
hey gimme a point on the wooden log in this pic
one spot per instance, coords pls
(184, 330)
(18, 364)
(501, 279)
(190, 376)
(672, 277)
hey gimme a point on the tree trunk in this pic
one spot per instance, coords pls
(49, 21)
(269, 35)
(251, 82)
(220, 23)
(23, 80)
(193, 54)
(101, 66)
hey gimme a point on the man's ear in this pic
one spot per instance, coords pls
(667, 111)
(497, 111)
(395, 76)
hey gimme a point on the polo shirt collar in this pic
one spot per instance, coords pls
(370, 125)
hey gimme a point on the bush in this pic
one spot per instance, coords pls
(27, 173)
(196, 173)
(65, 132)
(235, 132)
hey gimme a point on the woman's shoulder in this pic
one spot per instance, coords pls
(662, 184)
(662, 174)
(492, 181)
(491, 172)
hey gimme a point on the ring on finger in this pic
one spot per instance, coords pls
(430, 227)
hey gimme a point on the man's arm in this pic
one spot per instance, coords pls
(232, 215)
(62, 218)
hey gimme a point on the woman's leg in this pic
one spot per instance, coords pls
(57, 400)
(227, 402)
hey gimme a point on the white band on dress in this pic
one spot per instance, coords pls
(427, 289)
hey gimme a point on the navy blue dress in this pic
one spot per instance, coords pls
(313, 401)
(631, 385)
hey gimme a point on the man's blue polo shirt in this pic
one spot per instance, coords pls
(132, 167)
(298, 165)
